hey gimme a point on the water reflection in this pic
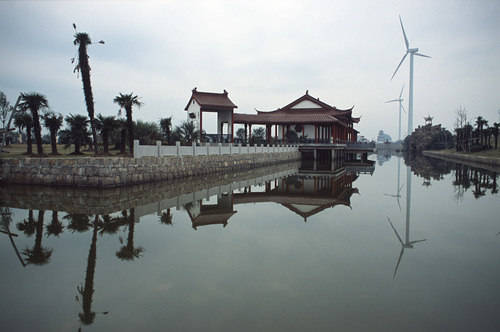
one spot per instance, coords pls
(217, 207)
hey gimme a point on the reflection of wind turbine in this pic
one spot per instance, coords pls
(398, 195)
(407, 243)
(400, 107)
(412, 52)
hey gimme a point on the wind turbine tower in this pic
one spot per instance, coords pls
(412, 52)
(400, 107)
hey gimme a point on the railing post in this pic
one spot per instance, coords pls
(220, 149)
(230, 148)
(158, 149)
(208, 149)
(239, 148)
(194, 149)
(137, 153)
(178, 148)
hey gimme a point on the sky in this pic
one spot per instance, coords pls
(266, 54)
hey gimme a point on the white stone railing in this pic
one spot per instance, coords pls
(177, 150)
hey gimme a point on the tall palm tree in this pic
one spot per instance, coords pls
(82, 40)
(34, 101)
(53, 122)
(106, 125)
(22, 121)
(166, 128)
(126, 102)
(77, 133)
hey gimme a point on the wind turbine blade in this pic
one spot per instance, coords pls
(390, 101)
(420, 54)
(403, 108)
(401, 241)
(403, 59)
(404, 34)
(399, 204)
(399, 261)
(401, 91)
(416, 241)
(401, 187)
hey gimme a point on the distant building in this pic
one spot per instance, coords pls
(383, 137)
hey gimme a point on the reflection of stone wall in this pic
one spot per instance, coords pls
(106, 201)
(116, 172)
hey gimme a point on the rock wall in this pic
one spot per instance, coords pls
(102, 172)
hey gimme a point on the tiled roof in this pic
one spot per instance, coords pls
(286, 118)
(211, 100)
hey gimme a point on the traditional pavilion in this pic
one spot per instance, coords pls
(201, 102)
(309, 117)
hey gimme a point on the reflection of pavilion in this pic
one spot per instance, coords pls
(306, 195)
(202, 213)
(303, 194)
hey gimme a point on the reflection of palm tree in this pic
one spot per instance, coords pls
(110, 225)
(38, 255)
(87, 290)
(78, 222)
(27, 226)
(129, 252)
(166, 218)
(55, 227)
(5, 220)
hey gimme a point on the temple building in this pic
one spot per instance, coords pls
(306, 118)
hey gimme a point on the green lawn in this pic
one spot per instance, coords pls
(18, 150)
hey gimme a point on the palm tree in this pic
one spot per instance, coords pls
(53, 122)
(77, 134)
(188, 132)
(34, 102)
(147, 132)
(166, 128)
(24, 120)
(126, 102)
(82, 40)
(106, 125)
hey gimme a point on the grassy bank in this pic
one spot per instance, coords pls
(18, 150)
(486, 153)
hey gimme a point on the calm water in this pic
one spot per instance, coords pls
(369, 251)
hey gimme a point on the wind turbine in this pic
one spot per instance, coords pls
(400, 107)
(412, 52)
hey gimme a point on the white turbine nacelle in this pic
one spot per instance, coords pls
(412, 50)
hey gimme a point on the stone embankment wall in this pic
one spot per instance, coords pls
(115, 172)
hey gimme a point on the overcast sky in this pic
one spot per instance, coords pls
(265, 54)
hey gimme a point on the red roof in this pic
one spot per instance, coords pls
(211, 100)
(323, 114)
(290, 118)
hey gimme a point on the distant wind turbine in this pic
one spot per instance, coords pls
(412, 52)
(400, 107)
